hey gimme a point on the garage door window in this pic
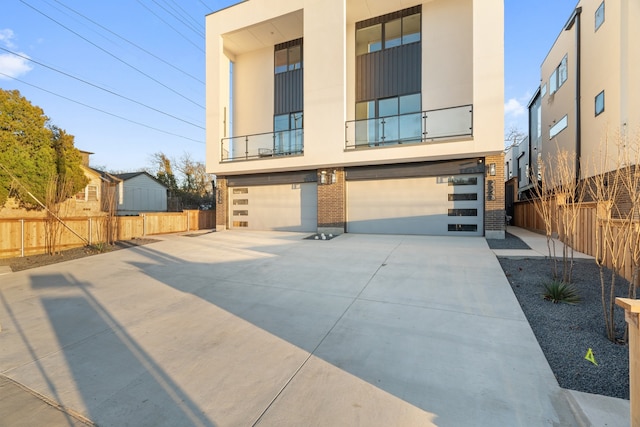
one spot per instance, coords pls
(463, 227)
(462, 197)
(456, 180)
(463, 212)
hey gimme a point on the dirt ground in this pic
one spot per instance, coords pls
(33, 261)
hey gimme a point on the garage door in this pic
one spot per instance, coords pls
(450, 205)
(284, 207)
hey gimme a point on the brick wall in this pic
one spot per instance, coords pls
(222, 200)
(331, 202)
(494, 216)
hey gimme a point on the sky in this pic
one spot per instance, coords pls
(127, 77)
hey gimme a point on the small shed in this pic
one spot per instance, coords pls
(140, 192)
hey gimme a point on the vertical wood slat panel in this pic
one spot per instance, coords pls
(127, 227)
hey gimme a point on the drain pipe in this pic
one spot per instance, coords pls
(575, 19)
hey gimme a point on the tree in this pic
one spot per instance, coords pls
(34, 153)
(162, 164)
(192, 188)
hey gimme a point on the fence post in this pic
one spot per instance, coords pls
(89, 239)
(631, 315)
(187, 212)
(22, 238)
(144, 225)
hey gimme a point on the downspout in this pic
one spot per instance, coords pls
(575, 19)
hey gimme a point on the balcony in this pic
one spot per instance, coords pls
(263, 145)
(413, 128)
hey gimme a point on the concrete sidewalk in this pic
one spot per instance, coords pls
(260, 328)
(590, 409)
(537, 244)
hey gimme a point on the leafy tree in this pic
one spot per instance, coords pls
(33, 153)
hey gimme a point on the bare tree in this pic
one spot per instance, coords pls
(616, 194)
(58, 190)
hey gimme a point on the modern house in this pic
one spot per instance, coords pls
(360, 116)
(590, 87)
(139, 192)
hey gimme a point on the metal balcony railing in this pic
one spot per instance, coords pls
(263, 145)
(412, 128)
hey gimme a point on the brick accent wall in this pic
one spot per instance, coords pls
(222, 204)
(494, 213)
(331, 202)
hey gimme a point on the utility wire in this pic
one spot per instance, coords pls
(114, 56)
(185, 13)
(179, 18)
(102, 88)
(131, 43)
(169, 25)
(100, 110)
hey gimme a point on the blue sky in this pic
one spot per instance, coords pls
(93, 53)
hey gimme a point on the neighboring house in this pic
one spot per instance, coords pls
(516, 163)
(139, 192)
(595, 61)
(99, 194)
(94, 199)
(364, 116)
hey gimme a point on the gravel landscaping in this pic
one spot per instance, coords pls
(566, 332)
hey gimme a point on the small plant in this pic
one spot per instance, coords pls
(100, 247)
(557, 291)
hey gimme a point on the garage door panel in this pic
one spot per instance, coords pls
(286, 207)
(428, 205)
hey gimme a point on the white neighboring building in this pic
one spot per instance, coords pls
(139, 192)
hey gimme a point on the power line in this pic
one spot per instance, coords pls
(115, 56)
(131, 43)
(170, 26)
(185, 13)
(102, 88)
(100, 110)
(179, 18)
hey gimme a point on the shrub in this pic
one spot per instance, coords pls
(557, 291)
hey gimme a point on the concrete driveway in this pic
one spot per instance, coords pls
(261, 328)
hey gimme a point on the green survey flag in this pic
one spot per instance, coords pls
(590, 357)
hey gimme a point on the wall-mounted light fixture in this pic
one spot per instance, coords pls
(323, 177)
(492, 169)
(333, 177)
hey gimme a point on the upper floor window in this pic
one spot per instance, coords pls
(558, 127)
(288, 56)
(599, 103)
(599, 15)
(558, 77)
(385, 32)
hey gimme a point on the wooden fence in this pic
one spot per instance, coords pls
(26, 236)
(585, 236)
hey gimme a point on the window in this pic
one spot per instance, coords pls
(288, 134)
(462, 180)
(463, 212)
(288, 56)
(558, 77)
(599, 103)
(558, 127)
(599, 16)
(92, 193)
(456, 197)
(543, 90)
(389, 120)
(81, 195)
(388, 31)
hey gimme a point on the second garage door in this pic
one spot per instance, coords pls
(450, 205)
